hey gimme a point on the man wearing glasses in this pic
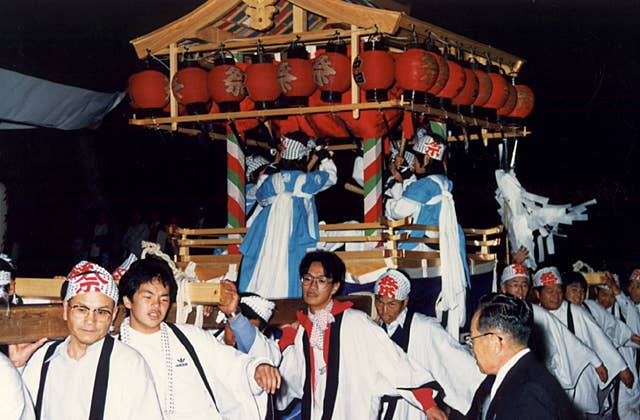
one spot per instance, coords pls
(89, 374)
(337, 360)
(517, 385)
(424, 339)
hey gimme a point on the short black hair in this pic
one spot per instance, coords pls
(144, 271)
(506, 314)
(333, 266)
(572, 277)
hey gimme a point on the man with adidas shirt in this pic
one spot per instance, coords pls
(89, 374)
(196, 376)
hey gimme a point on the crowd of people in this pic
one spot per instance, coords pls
(546, 345)
(563, 357)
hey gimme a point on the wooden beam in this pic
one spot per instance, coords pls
(299, 19)
(271, 41)
(200, 293)
(510, 62)
(185, 27)
(28, 323)
(173, 69)
(362, 16)
(505, 130)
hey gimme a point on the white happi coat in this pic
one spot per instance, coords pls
(228, 371)
(587, 330)
(370, 366)
(629, 398)
(566, 356)
(16, 401)
(451, 364)
(69, 385)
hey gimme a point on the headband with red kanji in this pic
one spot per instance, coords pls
(427, 145)
(124, 267)
(512, 271)
(635, 275)
(393, 284)
(547, 276)
(88, 277)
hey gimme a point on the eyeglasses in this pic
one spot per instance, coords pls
(81, 312)
(469, 340)
(322, 281)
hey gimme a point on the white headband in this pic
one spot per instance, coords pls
(88, 277)
(392, 284)
(512, 271)
(261, 306)
(293, 149)
(547, 276)
(124, 267)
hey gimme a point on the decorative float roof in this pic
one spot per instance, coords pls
(227, 21)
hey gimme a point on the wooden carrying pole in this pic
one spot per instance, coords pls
(28, 323)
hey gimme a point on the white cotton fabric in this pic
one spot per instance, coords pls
(529, 213)
(429, 345)
(273, 261)
(229, 372)
(69, 385)
(15, 400)
(454, 282)
(588, 331)
(371, 366)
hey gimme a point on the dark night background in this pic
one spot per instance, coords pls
(582, 63)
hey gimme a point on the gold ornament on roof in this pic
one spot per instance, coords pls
(260, 13)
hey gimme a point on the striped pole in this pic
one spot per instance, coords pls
(372, 149)
(235, 186)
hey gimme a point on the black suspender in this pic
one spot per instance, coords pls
(100, 385)
(333, 371)
(570, 325)
(99, 397)
(43, 375)
(192, 352)
(392, 401)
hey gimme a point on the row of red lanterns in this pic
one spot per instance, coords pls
(418, 71)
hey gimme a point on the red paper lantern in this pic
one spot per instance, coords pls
(415, 72)
(469, 92)
(295, 76)
(261, 80)
(455, 82)
(443, 74)
(510, 103)
(225, 83)
(373, 71)
(189, 86)
(499, 91)
(148, 89)
(484, 87)
(524, 102)
(331, 72)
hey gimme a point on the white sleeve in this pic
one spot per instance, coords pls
(292, 369)
(397, 208)
(264, 347)
(15, 402)
(327, 165)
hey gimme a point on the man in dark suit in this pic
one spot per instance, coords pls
(517, 385)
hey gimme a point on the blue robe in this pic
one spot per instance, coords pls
(419, 193)
(304, 228)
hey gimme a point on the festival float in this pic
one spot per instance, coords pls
(342, 71)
